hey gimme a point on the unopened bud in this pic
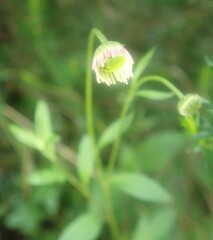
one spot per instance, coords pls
(189, 104)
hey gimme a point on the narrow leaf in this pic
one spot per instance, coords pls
(24, 135)
(155, 95)
(143, 63)
(141, 187)
(46, 176)
(85, 227)
(86, 159)
(112, 131)
(43, 125)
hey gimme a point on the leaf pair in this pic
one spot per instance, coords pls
(88, 225)
(42, 137)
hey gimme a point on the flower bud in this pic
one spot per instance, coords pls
(112, 63)
(189, 104)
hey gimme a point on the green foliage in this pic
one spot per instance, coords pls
(111, 132)
(155, 227)
(141, 187)
(155, 95)
(24, 136)
(46, 176)
(86, 159)
(143, 63)
(43, 125)
(143, 175)
(209, 62)
(86, 227)
(155, 160)
(25, 218)
(42, 138)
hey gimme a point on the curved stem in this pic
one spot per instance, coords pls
(162, 80)
(99, 35)
(91, 132)
(190, 121)
(88, 89)
(135, 85)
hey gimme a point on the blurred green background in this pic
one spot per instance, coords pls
(43, 51)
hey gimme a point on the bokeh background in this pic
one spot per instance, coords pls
(43, 52)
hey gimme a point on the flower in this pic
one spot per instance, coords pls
(112, 63)
(189, 104)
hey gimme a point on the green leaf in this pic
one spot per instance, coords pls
(85, 227)
(43, 125)
(46, 176)
(48, 148)
(141, 187)
(29, 78)
(24, 217)
(4, 75)
(86, 159)
(24, 135)
(143, 63)
(48, 198)
(209, 62)
(112, 131)
(155, 227)
(167, 145)
(155, 95)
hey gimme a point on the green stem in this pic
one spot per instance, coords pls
(76, 183)
(99, 35)
(91, 132)
(110, 212)
(162, 80)
(135, 85)
(190, 121)
(191, 125)
(88, 90)
(123, 114)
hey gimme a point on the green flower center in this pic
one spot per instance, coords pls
(113, 64)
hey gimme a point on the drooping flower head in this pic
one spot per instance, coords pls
(112, 63)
